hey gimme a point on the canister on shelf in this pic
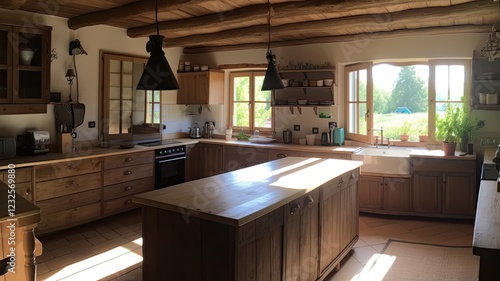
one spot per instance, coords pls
(492, 98)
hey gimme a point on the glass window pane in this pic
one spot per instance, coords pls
(114, 66)
(353, 118)
(114, 80)
(157, 95)
(363, 78)
(442, 83)
(241, 116)
(127, 67)
(457, 75)
(362, 120)
(262, 115)
(353, 82)
(242, 89)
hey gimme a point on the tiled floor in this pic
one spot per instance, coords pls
(110, 249)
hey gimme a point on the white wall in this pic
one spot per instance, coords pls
(177, 117)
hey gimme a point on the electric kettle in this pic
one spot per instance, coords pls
(195, 132)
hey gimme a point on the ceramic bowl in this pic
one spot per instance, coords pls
(328, 82)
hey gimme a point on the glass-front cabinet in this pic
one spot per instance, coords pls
(24, 64)
(128, 115)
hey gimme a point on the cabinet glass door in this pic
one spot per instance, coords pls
(29, 56)
(120, 97)
(5, 62)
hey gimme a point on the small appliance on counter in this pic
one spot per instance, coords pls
(208, 129)
(7, 148)
(33, 142)
(338, 136)
(287, 136)
(195, 132)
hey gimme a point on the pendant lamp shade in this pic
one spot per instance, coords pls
(272, 79)
(157, 74)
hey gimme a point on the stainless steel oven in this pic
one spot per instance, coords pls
(169, 166)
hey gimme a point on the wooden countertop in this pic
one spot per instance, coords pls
(25, 212)
(487, 223)
(89, 151)
(238, 197)
(439, 154)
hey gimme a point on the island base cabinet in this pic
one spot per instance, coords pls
(180, 247)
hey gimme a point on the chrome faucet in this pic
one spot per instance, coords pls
(381, 130)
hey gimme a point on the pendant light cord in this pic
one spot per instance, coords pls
(156, 18)
(269, 24)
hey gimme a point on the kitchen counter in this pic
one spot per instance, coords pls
(486, 241)
(248, 224)
(85, 152)
(243, 195)
(439, 154)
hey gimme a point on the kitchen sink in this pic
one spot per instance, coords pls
(393, 161)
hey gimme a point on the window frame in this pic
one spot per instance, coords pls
(431, 92)
(251, 103)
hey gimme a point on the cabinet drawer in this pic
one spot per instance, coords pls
(118, 205)
(65, 186)
(21, 175)
(68, 218)
(129, 159)
(67, 169)
(124, 174)
(128, 188)
(443, 165)
(58, 204)
(323, 155)
(340, 183)
(304, 202)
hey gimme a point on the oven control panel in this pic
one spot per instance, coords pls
(171, 150)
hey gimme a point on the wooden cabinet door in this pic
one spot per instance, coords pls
(5, 64)
(349, 214)
(371, 192)
(397, 194)
(237, 157)
(301, 238)
(192, 166)
(203, 87)
(330, 219)
(211, 159)
(459, 194)
(427, 192)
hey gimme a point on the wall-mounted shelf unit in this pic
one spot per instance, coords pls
(299, 88)
(485, 79)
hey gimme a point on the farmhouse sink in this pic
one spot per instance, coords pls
(393, 161)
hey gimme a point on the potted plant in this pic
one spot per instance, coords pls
(423, 130)
(404, 131)
(455, 125)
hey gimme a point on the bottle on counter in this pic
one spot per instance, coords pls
(229, 132)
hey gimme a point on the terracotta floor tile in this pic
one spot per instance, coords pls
(79, 245)
(364, 254)
(111, 235)
(390, 229)
(61, 251)
(90, 233)
(52, 245)
(374, 239)
(75, 237)
(97, 240)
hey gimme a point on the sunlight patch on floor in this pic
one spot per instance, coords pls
(102, 265)
(376, 268)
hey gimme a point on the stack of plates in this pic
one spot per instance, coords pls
(326, 102)
(292, 101)
(313, 102)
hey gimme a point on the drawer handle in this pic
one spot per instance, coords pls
(73, 182)
(341, 182)
(128, 159)
(280, 155)
(352, 177)
(308, 200)
(126, 173)
(294, 208)
(28, 191)
(128, 202)
(128, 188)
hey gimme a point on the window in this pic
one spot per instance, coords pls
(250, 108)
(153, 107)
(400, 97)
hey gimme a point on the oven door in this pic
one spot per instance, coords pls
(169, 171)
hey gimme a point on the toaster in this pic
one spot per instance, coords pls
(7, 148)
(36, 142)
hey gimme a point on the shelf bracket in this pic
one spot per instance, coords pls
(291, 109)
(315, 110)
(304, 90)
(299, 109)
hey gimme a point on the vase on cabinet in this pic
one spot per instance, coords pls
(449, 148)
(25, 56)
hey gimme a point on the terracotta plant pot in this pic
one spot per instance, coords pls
(403, 137)
(422, 138)
(449, 148)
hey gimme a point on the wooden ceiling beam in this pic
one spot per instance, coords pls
(134, 9)
(430, 31)
(219, 20)
(11, 4)
(375, 23)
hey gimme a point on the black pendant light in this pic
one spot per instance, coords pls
(157, 74)
(272, 80)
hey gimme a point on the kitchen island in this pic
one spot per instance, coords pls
(282, 220)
